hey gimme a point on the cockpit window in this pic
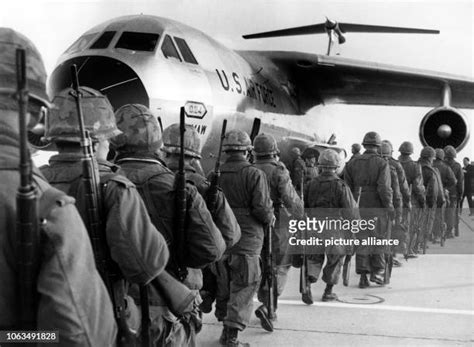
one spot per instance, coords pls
(138, 41)
(104, 40)
(185, 51)
(80, 44)
(168, 48)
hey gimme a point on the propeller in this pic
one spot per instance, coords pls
(331, 25)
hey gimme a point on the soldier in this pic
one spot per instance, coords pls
(83, 316)
(404, 190)
(285, 200)
(415, 181)
(297, 169)
(137, 154)
(455, 193)
(310, 170)
(221, 213)
(370, 174)
(355, 149)
(239, 273)
(449, 184)
(135, 246)
(468, 170)
(328, 196)
(433, 189)
(386, 153)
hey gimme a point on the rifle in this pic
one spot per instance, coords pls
(253, 134)
(456, 218)
(180, 184)
(212, 193)
(270, 276)
(94, 216)
(304, 286)
(388, 256)
(347, 260)
(26, 211)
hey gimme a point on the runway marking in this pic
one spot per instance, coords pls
(380, 307)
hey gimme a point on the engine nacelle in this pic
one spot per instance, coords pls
(444, 126)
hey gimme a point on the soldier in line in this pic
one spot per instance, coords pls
(468, 170)
(328, 196)
(449, 183)
(239, 273)
(137, 154)
(83, 316)
(297, 169)
(433, 189)
(355, 150)
(285, 201)
(404, 194)
(386, 153)
(310, 170)
(370, 174)
(135, 246)
(221, 213)
(415, 181)
(455, 193)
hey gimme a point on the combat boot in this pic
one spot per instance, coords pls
(265, 322)
(307, 297)
(377, 277)
(232, 340)
(224, 336)
(328, 294)
(364, 282)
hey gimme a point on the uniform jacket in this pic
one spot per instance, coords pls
(371, 173)
(223, 216)
(447, 175)
(134, 243)
(402, 181)
(310, 172)
(468, 179)
(72, 296)
(246, 190)
(397, 195)
(430, 181)
(203, 242)
(456, 191)
(414, 178)
(297, 169)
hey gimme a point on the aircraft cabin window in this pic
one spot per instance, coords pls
(168, 48)
(185, 51)
(80, 44)
(138, 41)
(104, 40)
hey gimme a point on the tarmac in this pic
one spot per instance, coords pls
(429, 302)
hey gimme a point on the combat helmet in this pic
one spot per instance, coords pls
(406, 148)
(192, 143)
(328, 159)
(10, 40)
(62, 123)
(140, 129)
(450, 151)
(428, 152)
(264, 144)
(236, 140)
(372, 138)
(439, 154)
(385, 149)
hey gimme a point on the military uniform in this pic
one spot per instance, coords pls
(297, 169)
(139, 162)
(370, 175)
(328, 196)
(456, 192)
(239, 273)
(285, 200)
(434, 192)
(414, 178)
(449, 183)
(310, 172)
(72, 298)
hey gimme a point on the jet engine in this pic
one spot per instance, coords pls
(444, 126)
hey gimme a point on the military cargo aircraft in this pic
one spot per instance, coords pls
(165, 64)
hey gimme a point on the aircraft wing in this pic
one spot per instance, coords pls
(320, 79)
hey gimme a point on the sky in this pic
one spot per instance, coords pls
(54, 25)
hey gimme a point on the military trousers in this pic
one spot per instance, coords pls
(427, 222)
(238, 278)
(281, 276)
(439, 222)
(371, 258)
(331, 270)
(450, 213)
